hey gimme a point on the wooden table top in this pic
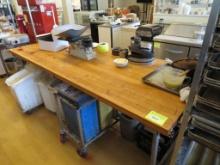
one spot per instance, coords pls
(121, 88)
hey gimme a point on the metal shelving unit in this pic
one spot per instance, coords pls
(172, 7)
(6, 4)
(31, 18)
(201, 120)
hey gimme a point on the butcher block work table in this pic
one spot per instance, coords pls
(121, 88)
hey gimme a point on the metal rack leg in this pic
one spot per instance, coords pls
(3, 63)
(82, 148)
(154, 148)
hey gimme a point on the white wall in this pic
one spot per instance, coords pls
(58, 3)
(68, 11)
(76, 4)
(17, 8)
(126, 3)
(102, 4)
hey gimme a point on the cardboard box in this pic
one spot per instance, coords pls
(46, 42)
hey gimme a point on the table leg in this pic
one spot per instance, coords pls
(3, 63)
(154, 148)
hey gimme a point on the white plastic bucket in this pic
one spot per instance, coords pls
(25, 89)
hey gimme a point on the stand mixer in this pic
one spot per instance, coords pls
(142, 44)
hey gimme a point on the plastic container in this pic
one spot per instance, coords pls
(47, 93)
(128, 127)
(172, 78)
(13, 65)
(10, 64)
(80, 113)
(24, 87)
(105, 115)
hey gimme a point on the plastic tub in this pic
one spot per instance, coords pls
(47, 93)
(172, 78)
(24, 87)
(105, 115)
(10, 64)
(13, 65)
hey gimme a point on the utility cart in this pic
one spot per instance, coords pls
(78, 116)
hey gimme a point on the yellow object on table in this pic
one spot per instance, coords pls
(103, 47)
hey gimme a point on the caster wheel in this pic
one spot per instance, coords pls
(82, 153)
(63, 138)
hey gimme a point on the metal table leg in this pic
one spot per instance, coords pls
(3, 63)
(154, 148)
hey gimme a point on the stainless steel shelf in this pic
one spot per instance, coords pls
(204, 128)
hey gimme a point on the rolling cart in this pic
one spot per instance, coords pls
(78, 117)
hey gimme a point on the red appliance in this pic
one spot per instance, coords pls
(21, 24)
(31, 2)
(44, 18)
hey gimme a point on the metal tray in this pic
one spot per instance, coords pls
(204, 110)
(216, 42)
(158, 73)
(212, 77)
(214, 61)
(209, 120)
(205, 138)
(209, 96)
(206, 124)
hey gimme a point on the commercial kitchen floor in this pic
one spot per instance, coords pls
(34, 140)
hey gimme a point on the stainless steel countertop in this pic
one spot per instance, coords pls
(179, 40)
(118, 25)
